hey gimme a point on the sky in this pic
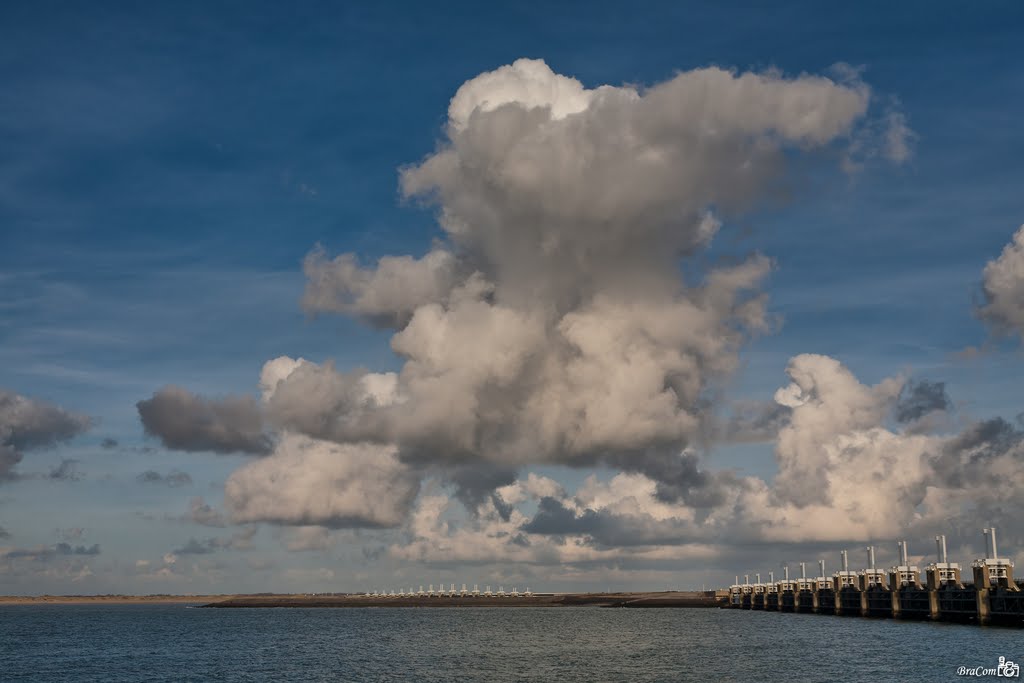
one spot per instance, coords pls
(570, 296)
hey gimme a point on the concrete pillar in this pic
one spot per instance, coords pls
(933, 605)
(981, 588)
(981, 596)
(814, 601)
(895, 594)
(864, 611)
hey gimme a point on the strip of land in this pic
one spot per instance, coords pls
(662, 599)
(109, 599)
(658, 599)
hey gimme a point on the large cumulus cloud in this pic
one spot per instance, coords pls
(27, 423)
(568, 315)
(553, 324)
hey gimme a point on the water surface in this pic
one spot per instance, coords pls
(42, 643)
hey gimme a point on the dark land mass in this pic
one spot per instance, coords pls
(663, 599)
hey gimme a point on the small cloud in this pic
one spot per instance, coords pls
(108, 443)
(202, 513)
(969, 353)
(898, 138)
(193, 547)
(173, 479)
(241, 540)
(4, 533)
(27, 424)
(67, 549)
(49, 552)
(187, 422)
(72, 534)
(918, 399)
(67, 470)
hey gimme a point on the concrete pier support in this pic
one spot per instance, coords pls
(933, 605)
(981, 600)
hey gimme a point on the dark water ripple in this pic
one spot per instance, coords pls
(155, 643)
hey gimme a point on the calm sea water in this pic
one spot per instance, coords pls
(41, 643)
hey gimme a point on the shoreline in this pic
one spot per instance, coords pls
(663, 599)
(109, 599)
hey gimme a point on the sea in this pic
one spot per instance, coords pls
(152, 643)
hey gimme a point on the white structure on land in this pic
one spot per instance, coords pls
(449, 591)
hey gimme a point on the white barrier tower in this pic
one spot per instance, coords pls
(942, 572)
(993, 571)
(844, 578)
(803, 584)
(904, 575)
(822, 582)
(770, 588)
(871, 577)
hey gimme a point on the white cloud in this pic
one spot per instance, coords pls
(310, 482)
(553, 323)
(1003, 288)
(524, 83)
(27, 423)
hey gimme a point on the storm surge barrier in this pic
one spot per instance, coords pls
(994, 597)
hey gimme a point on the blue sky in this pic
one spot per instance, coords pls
(167, 166)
